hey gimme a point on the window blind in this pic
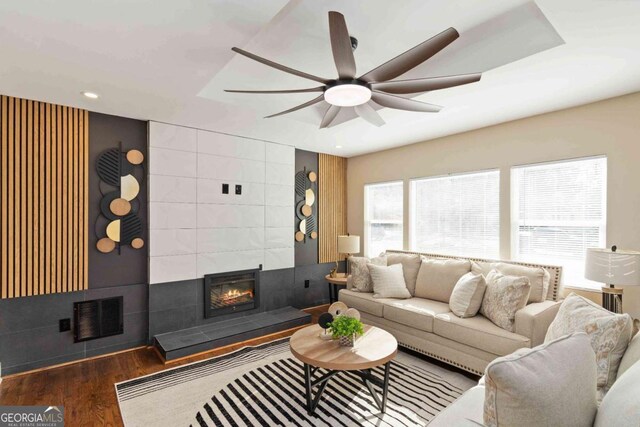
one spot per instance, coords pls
(456, 214)
(383, 217)
(558, 211)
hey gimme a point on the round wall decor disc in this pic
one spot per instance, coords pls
(105, 245)
(306, 210)
(113, 230)
(135, 157)
(303, 226)
(299, 236)
(310, 197)
(312, 176)
(314, 235)
(137, 243)
(120, 207)
(129, 187)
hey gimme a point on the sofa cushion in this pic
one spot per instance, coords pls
(437, 277)
(417, 313)
(631, 355)
(388, 281)
(549, 385)
(465, 411)
(538, 278)
(621, 405)
(504, 296)
(360, 279)
(478, 332)
(609, 333)
(410, 267)
(363, 301)
(467, 294)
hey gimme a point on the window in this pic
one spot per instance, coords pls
(456, 214)
(383, 217)
(558, 210)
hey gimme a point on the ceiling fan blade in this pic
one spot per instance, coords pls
(411, 58)
(367, 112)
(331, 114)
(313, 89)
(279, 66)
(423, 85)
(299, 107)
(341, 46)
(400, 103)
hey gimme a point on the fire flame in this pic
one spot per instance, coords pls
(235, 294)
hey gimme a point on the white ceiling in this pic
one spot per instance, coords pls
(169, 60)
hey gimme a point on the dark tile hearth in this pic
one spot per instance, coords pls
(185, 342)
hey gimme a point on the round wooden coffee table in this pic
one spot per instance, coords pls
(375, 348)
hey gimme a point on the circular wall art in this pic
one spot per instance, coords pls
(305, 200)
(120, 176)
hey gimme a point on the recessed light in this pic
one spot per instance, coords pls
(90, 95)
(338, 146)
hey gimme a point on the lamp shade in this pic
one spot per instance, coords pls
(613, 268)
(348, 244)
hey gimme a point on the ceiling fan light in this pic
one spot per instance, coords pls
(347, 95)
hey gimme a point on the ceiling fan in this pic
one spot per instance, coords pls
(376, 85)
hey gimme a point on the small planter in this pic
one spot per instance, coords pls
(348, 341)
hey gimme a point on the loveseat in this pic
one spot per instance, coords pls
(429, 326)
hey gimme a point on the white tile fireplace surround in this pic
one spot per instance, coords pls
(195, 229)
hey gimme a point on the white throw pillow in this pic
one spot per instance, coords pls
(549, 385)
(360, 279)
(609, 333)
(504, 296)
(621, 406)
(437, 277)
(467, 294)
(388, 282)
(538, 278)
(410, 267)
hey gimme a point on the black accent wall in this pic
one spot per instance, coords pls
(306, 252)
(29, 330)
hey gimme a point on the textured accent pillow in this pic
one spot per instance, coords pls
(538, 278)
(410, 267)
(504, 296)
(437, 277)
(518, 392)
(360, 279)
(467, 294)
(610, 334)
(388, 282)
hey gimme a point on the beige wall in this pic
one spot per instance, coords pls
(610, 127)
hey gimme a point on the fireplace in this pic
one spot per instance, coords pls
(231, 292)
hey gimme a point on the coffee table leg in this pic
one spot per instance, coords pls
(385, 385)
(307, 386)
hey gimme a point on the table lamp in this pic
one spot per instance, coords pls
(613, 267)
(348, 245)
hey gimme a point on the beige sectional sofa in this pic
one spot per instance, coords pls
(429, 326)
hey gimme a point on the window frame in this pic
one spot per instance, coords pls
(514, 217)
(367, 220)
(412, 217)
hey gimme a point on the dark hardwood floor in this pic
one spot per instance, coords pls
(85, 388)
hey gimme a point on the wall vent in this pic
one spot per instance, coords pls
(97, 318)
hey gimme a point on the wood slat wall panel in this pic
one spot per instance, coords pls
(332, 205)
(44, 185)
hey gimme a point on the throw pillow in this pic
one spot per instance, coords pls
(410, 267)
(631, 355)
(388, 282)
(503, 297)
(467, 294)
(538, 278)
(360, 279)
(437, 277)
(609, 333)
(549, 385)
(621, 405)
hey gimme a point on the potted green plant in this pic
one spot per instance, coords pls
(346, 329)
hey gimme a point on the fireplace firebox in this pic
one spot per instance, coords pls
(231, 292)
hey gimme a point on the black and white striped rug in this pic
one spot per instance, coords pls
(264, 386)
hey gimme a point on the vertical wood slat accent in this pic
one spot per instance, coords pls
(332, 205)
(44, 193)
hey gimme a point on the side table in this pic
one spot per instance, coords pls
(334, 282)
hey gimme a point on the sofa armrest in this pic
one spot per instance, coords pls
(533, 320)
